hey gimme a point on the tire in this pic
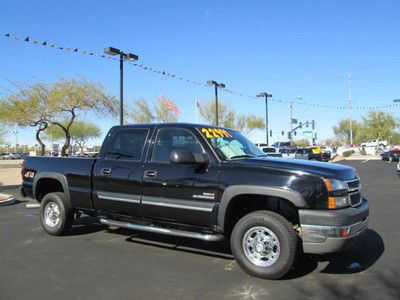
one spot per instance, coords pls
(274, 262)
(56, 214)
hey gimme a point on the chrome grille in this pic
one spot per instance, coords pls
(355, 192)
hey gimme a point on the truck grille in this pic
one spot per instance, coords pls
(355, 192)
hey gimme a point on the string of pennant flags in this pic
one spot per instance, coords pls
(161, 72)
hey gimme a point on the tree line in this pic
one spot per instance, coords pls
(375, 125)
(57, 110)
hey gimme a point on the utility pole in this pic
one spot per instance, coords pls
(266, 96)
(350, 108)
(291, 120)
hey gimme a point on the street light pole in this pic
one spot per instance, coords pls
(121, 88)
(216, 86)
(266, 96)
(122, 57)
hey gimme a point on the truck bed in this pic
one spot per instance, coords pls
(77, 172)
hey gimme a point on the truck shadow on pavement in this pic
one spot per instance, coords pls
(86, 225)
(357, 258)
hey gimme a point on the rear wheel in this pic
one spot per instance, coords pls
(56, 214)
(264, 244)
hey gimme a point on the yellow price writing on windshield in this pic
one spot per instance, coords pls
(211, 133)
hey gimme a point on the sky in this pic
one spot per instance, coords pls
(286, 48)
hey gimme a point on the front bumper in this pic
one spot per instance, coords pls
(327, 231)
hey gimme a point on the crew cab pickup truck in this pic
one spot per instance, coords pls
(208, 183)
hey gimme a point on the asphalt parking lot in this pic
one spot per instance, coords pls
(96, 262)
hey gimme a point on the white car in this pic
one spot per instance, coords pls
(375, 143)
(270, 151)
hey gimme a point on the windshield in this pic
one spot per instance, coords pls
(230, 144)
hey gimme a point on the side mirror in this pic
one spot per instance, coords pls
(187, 157)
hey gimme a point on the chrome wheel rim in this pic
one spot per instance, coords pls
(52, 214)
(261, 246)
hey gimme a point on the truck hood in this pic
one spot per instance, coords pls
(329, 170)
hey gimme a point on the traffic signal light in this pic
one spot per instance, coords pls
(301, 125)
(307, 124)
(270, 133)
(283, 133)
(289, 135)
(313, 124)
(295, 133)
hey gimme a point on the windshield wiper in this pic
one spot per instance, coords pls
(241, 156)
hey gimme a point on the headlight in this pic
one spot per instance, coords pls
(338, 193)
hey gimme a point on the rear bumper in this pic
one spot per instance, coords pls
(26, 189)
(332, 231)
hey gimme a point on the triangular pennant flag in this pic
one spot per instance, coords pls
(90, 53)
(52, 45)
(35, 42)
(26, 39)
(76, 50)
(7, 35)
(44, 43)
(61, 48)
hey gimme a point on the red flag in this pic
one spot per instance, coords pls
(172, 107)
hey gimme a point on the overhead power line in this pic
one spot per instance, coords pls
(159, 71)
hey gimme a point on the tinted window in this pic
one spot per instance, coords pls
(268, 150)
(127, 144)
(169, 139)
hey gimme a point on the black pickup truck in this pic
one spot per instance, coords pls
(207, 183)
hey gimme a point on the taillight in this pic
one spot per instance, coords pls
(22, 169)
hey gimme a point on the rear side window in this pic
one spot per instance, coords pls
(127, 144)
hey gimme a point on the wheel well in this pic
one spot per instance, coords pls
(241, 205)
(47, 185)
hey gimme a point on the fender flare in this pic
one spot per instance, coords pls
(52, 175)
(232, 191)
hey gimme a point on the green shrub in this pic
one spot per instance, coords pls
(348, 153)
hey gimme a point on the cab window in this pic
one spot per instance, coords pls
(127, 144)
(170, 139)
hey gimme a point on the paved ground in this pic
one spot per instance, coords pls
(94, 262)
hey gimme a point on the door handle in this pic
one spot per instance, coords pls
(106, 171)
(150, 174)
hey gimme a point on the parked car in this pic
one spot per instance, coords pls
(375, 143)
(271, 151)
(287, 152)
(302, 153)
(318, 153)
(282, 145)
(12, 155)
(392, 155)
(207, 183)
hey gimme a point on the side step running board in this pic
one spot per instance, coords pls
(167, 231)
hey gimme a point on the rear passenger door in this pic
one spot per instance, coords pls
(117, 182)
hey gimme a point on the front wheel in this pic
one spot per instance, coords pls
(56, 214)
(264, 244)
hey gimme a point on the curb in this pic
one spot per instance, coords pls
(10, 200)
